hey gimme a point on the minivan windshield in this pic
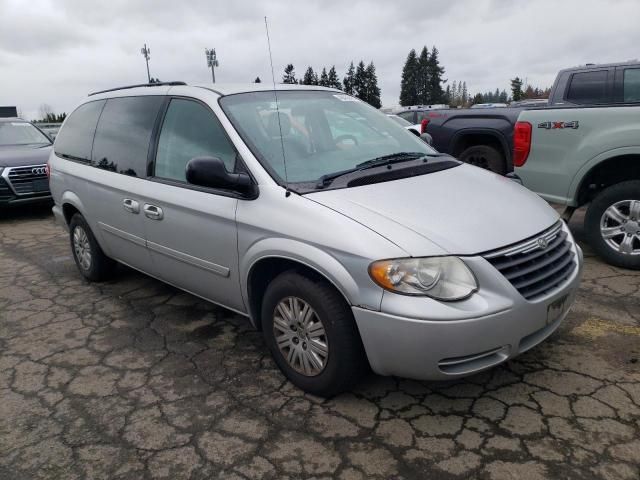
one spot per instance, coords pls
(21, 133)
(321, 132)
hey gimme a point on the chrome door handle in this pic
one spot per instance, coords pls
(131, 205)
(153, 212)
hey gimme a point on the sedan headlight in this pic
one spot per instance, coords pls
(442, 278)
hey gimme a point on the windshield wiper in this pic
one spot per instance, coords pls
(325, 180)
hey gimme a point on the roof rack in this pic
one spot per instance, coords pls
(154, 84)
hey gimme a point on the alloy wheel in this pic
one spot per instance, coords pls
(620, 227)
(82, 247)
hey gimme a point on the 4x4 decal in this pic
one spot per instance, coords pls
(559, 125)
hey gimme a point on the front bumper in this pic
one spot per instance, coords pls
(416, 337)
(8, 197)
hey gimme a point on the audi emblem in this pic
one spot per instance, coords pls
(39, 170)
(542, 243)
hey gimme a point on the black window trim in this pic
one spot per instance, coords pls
(155, 139)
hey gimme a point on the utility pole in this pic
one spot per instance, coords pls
(146, 53)
(212, 61)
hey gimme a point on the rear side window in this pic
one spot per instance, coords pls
(631, 85)
(408, 116)
(124, 133)
(588, 87)
(75, 139)
(190, 130)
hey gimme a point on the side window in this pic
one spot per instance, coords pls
(124, 133)
(190, 130)
(588, 87)
(421, 116)
(408, 116)
(631, 85)
(76, 138)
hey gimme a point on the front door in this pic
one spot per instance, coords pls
(191, 231)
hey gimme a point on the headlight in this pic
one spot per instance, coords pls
(442, 278)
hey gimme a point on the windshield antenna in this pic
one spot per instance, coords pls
(275, 94)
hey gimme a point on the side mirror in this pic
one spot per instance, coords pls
(425, 137)
(211, 172)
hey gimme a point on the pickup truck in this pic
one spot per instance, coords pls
(484, 137)
(577, 155)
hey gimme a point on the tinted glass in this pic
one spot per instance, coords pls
(317, 133)
(124, 133)
(408, 116)
(21, 133)
(632, 85)
(76, 137)
(190, 130)
(588, 87)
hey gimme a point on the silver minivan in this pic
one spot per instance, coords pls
(346, 239)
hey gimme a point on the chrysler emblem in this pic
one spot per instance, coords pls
(542, 243)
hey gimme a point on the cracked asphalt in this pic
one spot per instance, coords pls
(133, 379)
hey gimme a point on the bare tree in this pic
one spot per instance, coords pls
(46, 111)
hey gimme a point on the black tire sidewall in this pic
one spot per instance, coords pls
(622, 191)
(101, 265)
(345, 348)
(494, 158)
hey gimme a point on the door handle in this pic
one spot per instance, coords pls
(153, 212)
(131, 205)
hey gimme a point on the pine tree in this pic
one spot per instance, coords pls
(453, 96)
(324, 78)
(503, 98)
(516, 89)
(435, 72)
(423, 82)
(333, 80)
(496, 96)
(447, 95)
(479, 98)
(257, 80)
(465, 94)
(349, 80)
(360, 82)
(408, 91)
(373, 91)
(289, 75)
(310, 77)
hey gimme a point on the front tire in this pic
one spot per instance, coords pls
(612, 224)
(486, 157)
(93, 264)
(311, 333)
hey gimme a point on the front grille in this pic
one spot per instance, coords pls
(26, 180)
(5, 191)
(535, 271)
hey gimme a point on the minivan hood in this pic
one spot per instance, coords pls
(463, 210)
(15, 156)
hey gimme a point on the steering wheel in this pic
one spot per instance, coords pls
(342, 138)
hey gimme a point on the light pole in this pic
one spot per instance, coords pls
(146, 53)
(212, 61)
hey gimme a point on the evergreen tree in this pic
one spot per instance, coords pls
(516, 89)
(453, 96)
(496, 96)
(435, 72)
(408, 91)
(324, 78)
(465, 94)
(372, 89)
(360, 82)
(447, 96)
(479, 98)
(310, 77)
(333, 80)
(503, 98)
(257, 80)
(348, 81)
(289, 75)
(423, 82)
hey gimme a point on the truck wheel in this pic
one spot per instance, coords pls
(93, 264)
(612, 224)
(486, 157)
(312, 335)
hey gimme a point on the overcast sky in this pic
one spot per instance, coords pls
(55, 52)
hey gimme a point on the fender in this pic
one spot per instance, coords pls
(482, 131)
(72, 199)
(308, 255)
(576, 182)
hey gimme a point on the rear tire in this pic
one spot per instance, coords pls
(486, 157)
(93, 264)
(329, 328)
(616, 208)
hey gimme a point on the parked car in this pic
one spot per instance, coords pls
(484, 137)
(340, 244)
(590, 155)
(24, 150)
